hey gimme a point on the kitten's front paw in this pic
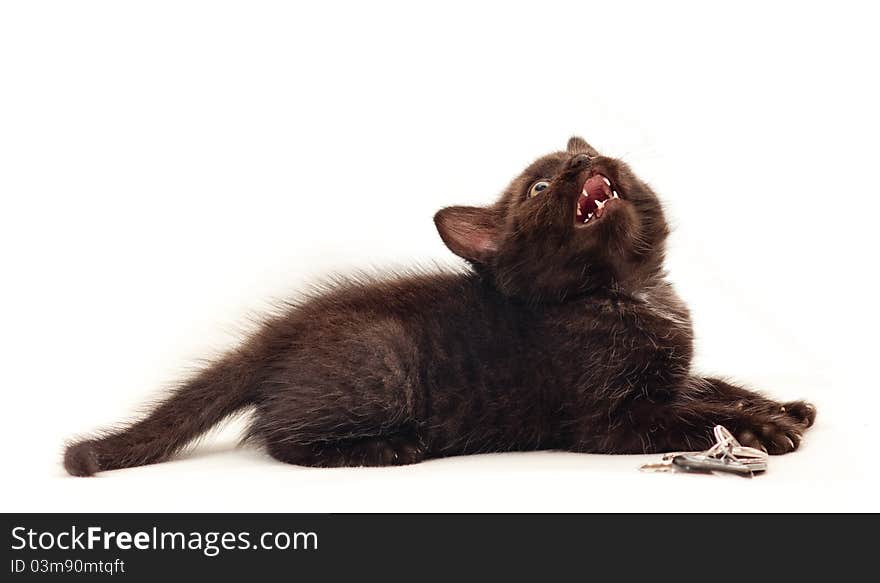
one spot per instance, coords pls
(802, 412)
(775, 434)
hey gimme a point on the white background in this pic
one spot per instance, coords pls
(167, 168)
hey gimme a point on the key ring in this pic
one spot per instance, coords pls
(727, 455)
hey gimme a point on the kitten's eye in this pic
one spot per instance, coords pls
(537, 187)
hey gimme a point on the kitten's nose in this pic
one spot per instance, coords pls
(579, 162)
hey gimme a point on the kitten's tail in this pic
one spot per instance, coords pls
(190, 410)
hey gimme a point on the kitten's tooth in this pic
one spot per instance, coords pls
(608, 182)
(584, 192)
(600, 203)
(579, 210)
(614, 194)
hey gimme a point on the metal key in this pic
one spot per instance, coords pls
(699, 463)
(726, 455)
(661, 467)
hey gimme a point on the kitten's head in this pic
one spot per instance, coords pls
(572, 222)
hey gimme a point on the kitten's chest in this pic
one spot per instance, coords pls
(619, 341)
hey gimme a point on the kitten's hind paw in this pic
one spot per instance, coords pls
(393, 450)
(384, 451)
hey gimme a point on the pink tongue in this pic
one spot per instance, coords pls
(596, 187)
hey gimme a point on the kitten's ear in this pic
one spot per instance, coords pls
(578, 145)
(470, 232)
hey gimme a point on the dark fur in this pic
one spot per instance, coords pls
(561, 337)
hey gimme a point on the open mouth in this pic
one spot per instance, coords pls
(597, 192)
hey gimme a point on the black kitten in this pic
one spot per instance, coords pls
(565, 335)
